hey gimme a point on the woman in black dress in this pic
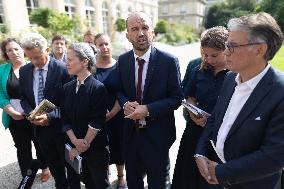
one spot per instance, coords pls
(84, 114)
(202, 89)
(105, 66)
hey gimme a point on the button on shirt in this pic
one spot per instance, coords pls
(239, 98)
(146, 57)
(36, 79)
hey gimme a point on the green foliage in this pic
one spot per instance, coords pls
(174, 34)
(220, 13)
(120, 24)
(41, 17)
(278, 59)
(275, 8)
(162, 26)
(50, 22)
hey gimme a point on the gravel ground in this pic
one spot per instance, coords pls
(10, 176)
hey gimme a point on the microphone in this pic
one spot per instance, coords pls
(29, 178)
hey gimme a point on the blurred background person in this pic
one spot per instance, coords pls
(89, 37)
(105, 65)
(83, 112)
(202, 90)
(58, 48)
(13, 117)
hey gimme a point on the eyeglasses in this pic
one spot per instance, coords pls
(231, 46)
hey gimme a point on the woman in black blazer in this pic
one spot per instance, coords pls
(84, 114)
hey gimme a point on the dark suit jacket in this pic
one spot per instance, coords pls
(56, 77)
(254, 148)
(162, 94)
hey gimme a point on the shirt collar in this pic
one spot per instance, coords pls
(83, 82)
(255, 80)
(45, 67)
(145, 56)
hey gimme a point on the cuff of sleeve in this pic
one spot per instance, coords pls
(199, 155)
(124, 104)
(66, 128)
(97, 130)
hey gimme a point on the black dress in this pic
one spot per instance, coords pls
(115, 125)
(205, 88)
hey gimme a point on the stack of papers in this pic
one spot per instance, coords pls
(77, 163)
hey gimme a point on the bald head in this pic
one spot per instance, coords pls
(139, 17)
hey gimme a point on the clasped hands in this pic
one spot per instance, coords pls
(81, 145)
(135, 111)
(207, 169)
(41, 120)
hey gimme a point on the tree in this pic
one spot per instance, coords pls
(162, 26)
(41, 16)
(120, 24)
(275, 8)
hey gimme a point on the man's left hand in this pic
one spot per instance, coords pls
(41, 120)
(140, 112)
(212, 167)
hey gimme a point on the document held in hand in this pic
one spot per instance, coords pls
(77, 163)
(44, 107)
(194, 109)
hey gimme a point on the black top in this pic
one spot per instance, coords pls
(104, 75)
(13, 86)
(204, 86)
(85, 108)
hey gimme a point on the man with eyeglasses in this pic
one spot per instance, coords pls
(242, 145)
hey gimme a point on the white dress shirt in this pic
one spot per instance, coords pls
(239, 98)
(146, 57)
(36, 79)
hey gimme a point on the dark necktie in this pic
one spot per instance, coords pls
(40, 95)
(139, 81)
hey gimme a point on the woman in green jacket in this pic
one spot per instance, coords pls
(10, 94)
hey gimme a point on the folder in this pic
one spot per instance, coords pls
(77, 163)
(194, 109)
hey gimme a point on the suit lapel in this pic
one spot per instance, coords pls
(30, 79)
(150, 70)
(131, 71)
(225, 102)
(260, 91)
(49, 77)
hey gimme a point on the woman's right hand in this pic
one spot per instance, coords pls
(81, 145)
(198, 121)
(17, 115)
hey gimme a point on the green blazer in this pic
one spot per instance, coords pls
(4, 97)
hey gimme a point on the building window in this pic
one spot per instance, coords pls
(31, 5)
(69, 7)
(165, 9)
(183, 9)
(105, 13)
(2, 20)
(90, 13)
(118, 11)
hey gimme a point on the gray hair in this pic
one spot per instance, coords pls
(262, 28)
(85, 52)
(34, 40)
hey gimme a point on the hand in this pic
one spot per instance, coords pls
(17, 116)
(198, 121)
(109, 116)
(212, 167)
(81, 145)
(41, 120)
(141, 111)
(202, 164)
(129, 107)
(73, 153)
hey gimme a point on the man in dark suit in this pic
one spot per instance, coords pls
(43, 79)
(247, 126)
(149, 93)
